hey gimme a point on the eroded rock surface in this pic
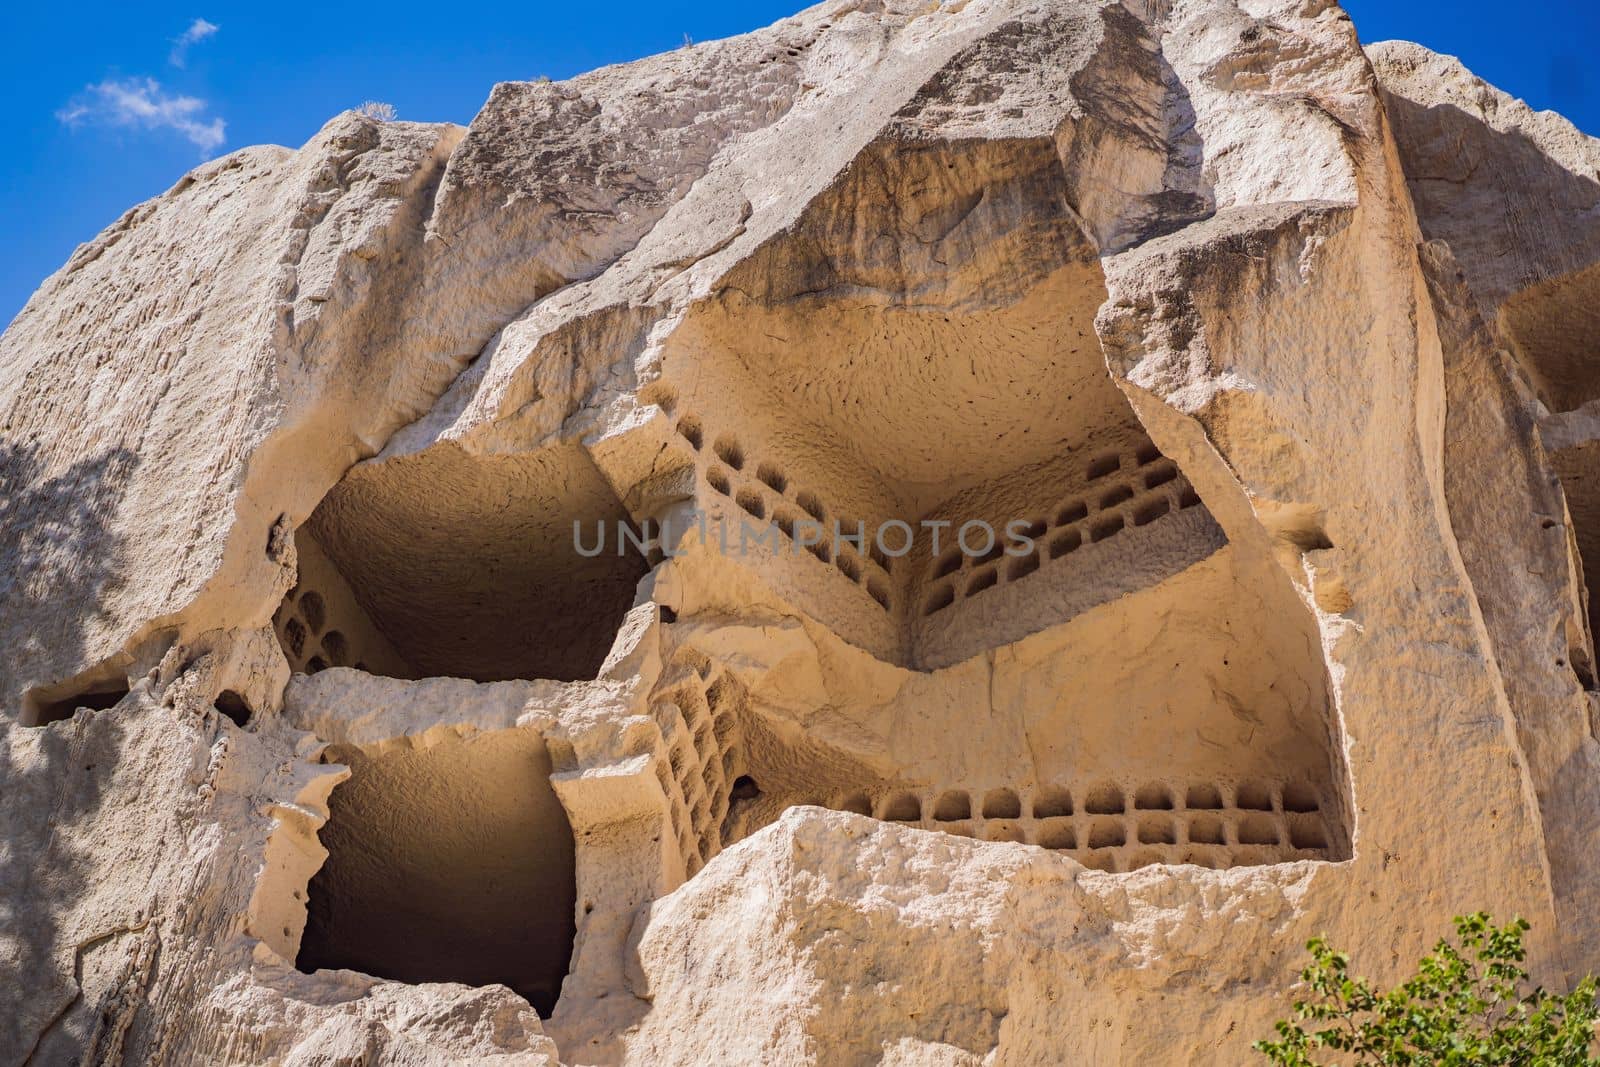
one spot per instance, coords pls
(329, 732)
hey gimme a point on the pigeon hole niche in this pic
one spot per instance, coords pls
(928, 354)
(1105, 825)
(321, 623)
(447, 563)
(449, 859)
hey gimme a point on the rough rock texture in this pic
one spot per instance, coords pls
(328, 735)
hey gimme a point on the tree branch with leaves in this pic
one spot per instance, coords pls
(1470, 1003)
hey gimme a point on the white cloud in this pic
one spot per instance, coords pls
(141, 103)
(198, 31)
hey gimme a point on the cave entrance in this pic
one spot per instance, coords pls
(447, 862)
(445, 563)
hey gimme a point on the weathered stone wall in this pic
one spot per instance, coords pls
(1275, 352)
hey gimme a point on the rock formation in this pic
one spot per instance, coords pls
(388, 673)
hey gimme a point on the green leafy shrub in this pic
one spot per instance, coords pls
(1469, 1004)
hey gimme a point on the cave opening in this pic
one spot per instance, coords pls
(450, 861)
(446, 563)
(50, 704)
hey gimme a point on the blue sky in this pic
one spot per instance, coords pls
(110, 104)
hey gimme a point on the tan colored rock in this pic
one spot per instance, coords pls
(332, 733)
(1509, 196)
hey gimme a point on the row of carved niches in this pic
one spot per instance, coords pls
(1203, 698)
(1101, 523)
(1108, 826)
(1015, 556)
(697, 708)
(766, 495)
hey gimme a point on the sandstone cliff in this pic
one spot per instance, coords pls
(323, 740)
